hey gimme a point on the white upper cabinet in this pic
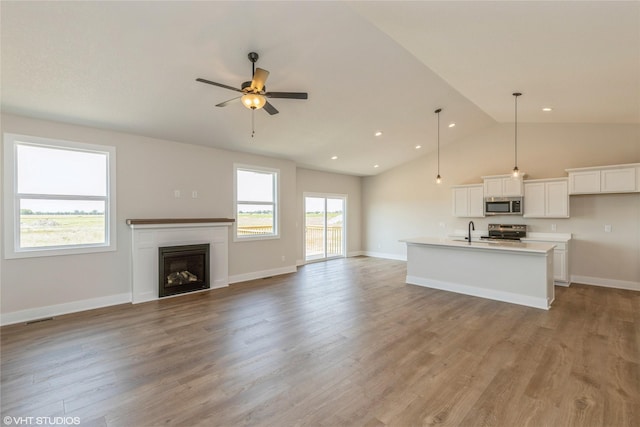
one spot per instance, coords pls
(618, 180)
(502, 186)
(493, 187)
(605, 179)
(557, 199)
(512, 187)
(587, 182)
(546, 198)
(476, 201)
(534, 199)
(468, 201)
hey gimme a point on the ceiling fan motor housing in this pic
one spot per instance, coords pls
(246, 87)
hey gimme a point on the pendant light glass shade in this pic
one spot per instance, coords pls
(516, 171)
(438, 178)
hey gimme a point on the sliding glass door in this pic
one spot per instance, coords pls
(324, 227)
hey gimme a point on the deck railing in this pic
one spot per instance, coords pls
(313, 237)
(255, 230)
(315, 242)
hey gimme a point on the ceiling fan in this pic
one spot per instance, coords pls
(254, 92)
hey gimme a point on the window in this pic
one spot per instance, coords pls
(59, 197)
(256, 203)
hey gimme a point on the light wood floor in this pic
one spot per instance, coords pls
(345, 342)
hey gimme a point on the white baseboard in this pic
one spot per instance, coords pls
(529, 301)
(262, 274)
(606, 283)
(384, 255)
(60, 309)
(301, 262)
(355, 253)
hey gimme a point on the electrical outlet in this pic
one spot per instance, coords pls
(194, 194)
(442, 225)
(176, 194)
(553, 227)
(607, 228)
(283, 258)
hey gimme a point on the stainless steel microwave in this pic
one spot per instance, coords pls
(503, 206)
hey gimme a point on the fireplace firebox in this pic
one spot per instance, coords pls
(183, 269)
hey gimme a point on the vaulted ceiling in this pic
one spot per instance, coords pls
(367, 66)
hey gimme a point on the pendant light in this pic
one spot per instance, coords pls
(438, 178)
(516, 172)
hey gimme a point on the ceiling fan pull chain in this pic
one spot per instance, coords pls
(253, 127)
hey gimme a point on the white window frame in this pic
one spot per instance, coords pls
(276, 202)
(12, 205)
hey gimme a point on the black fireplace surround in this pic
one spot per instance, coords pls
(183, 269)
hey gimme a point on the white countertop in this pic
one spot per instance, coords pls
(531, 237)
(538, 248)
(547, 237)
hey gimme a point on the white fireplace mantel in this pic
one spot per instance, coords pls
(151, 234)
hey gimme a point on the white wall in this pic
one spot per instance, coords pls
(312, 181)
(406, 202)
(148, 172)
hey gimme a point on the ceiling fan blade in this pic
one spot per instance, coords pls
(225, 103)
(259, 79)
(218, 84)
(290, 95)
(270, 109)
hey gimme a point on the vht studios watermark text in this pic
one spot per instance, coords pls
(40, 421)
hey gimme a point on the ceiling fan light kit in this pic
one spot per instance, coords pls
(253, 101)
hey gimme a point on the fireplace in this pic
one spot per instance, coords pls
(183, 269)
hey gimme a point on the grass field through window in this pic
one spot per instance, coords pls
(38, 231)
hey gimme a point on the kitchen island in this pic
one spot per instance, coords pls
(515, 272)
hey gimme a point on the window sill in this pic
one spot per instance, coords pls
(255, 238)
(36, 253)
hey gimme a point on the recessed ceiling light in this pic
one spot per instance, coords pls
(547, 109)
(418, 147)
(378, 133)
(376, 166)
(452, 125)
(334, 157)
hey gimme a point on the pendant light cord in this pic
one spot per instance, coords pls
(516, 94)
(516, 132)
(438, 113)
(438, 141)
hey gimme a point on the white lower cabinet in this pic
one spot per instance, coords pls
(560, 265)
(561, 275)
(546, 198)
(468, 201)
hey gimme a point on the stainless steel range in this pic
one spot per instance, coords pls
(509, 232)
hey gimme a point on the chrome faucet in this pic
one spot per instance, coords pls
(472, 226)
